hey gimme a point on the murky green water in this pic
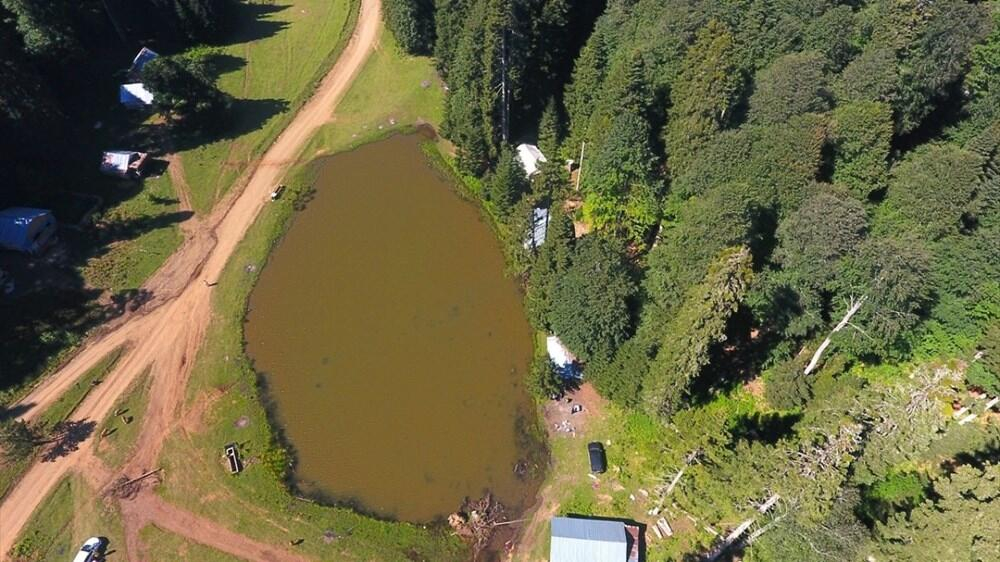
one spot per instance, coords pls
(392, 343)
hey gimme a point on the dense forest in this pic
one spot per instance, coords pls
(50, 53)
(793, 257)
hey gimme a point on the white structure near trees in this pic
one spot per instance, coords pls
(530, 158)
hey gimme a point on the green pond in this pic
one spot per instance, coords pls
(392, 345)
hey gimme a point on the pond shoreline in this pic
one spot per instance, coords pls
(530, 433)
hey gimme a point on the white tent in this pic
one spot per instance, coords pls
(558, 353)
(530, 157)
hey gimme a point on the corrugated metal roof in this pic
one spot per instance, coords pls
(587, 540)
(539, 225)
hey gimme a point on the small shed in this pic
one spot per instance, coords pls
(145, 55)
(135, 96)
(123, 163)
(530, 157)
(593, 540)
(539, 225)
(25, 229)
(562, 358)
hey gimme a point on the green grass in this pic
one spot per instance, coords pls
(170, 545)
(114, 448)
(64, 406)
(69, 516)
(392, 87)
(127, 263)
(275, 76)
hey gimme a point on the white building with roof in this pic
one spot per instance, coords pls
(530, 158)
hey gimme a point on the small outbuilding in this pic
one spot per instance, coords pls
(126, 164)
(539, 226)
(562, 358)
(530, 158)
(145, 55)
(25, 229)
(593, 540)
(135, 96)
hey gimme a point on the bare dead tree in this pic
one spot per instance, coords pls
(735, 535)
(845, 321)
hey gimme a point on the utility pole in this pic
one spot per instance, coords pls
(579, 172)
(505, 91)
(114, 22)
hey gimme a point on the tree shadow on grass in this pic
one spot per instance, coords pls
(218, 64)
(251, 22)
(244, 116)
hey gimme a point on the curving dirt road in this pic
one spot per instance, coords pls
(167, 331)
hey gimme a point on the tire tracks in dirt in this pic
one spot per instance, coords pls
(168, 332)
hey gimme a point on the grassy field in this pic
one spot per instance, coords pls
(162, 543)
(69, 516)
(224, 391)
(393, 91)
(115, 447)
(279, 52)
(128, 261)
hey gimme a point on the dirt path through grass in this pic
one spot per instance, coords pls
(166, 331)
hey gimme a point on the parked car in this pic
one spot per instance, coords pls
(598, 460)
(92, 550)
(276, 194)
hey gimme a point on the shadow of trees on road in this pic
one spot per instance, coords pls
(66, 438)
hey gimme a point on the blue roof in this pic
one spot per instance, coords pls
(145, 55)
(25, 229)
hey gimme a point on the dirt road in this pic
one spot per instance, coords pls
(167, 331)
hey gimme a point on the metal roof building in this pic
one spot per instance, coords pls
(592, 540)
(25, 229)
(135, 96)
(539, 226)
(145, 55)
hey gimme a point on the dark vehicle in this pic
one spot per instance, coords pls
(598, 460)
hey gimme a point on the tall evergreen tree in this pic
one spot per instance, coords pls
(699, 323)
(704, 94)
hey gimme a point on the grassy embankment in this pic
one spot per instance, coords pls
(223, 385)
(71, 514)
(114, 448)
(10, 471)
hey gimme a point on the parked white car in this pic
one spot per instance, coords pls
(91, 550)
